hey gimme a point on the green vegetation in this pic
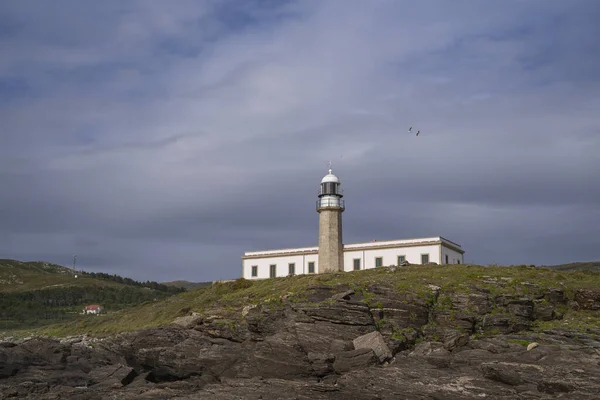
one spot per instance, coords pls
(577, 266)
(34, 294)
(187, 285)
(229, 298)
(46, 306)
(18, 276)
(581, 320)
(404, 334)
(130, 282)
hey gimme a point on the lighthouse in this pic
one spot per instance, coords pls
(329, 256)
(330, 207)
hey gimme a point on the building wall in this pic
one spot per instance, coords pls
(282, 263)
(454, 257)
(390, 256)
(367, 260)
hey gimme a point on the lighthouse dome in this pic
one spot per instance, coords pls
(330, 178)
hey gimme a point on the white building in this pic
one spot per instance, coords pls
(92, 309)
(357, 256)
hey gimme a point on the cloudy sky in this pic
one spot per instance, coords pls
(160, 140)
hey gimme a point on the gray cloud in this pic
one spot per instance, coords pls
(162, 142)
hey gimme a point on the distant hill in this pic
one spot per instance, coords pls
(39, 293)
(187, 285)
(19, 276)
(576, 266)
(16, 276)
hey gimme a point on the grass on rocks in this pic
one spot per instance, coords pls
(231, 297)
(581, 320)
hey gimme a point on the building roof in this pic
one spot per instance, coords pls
(93, 307)
(330, 177)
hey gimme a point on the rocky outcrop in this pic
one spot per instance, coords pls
(587, 299)
(373, 341)
(337, 343)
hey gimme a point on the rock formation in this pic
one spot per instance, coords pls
(332, 343)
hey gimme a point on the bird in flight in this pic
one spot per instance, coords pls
(410, 130)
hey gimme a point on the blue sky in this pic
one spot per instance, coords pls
(161, 140)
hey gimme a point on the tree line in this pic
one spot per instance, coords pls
(45, 306)
(130, 282)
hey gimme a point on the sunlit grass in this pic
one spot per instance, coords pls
(235, 295)
(581, 320)
(17, 276)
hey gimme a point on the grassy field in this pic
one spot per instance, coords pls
(578, 266)
(17, 276)
(36, 294)
(188, 285)
(233, 296)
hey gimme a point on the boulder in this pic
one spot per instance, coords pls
(188, 321)
(375, 342)
(501, 373)
(588, 299)
(532, 346)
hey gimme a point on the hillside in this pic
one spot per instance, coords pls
(18, 276)
(413, 280)
(577, 266)
(34, 294)
(187, 285)
(416, 332)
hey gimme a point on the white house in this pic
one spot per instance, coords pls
(357, 256)
(335, 256)
(92, 309)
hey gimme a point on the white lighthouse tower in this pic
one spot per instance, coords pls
(330, 207)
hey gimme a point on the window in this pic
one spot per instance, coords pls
(272, 270)
(424, 258)
(291, 268)
(311, 267)
(255, 270)
(356, 264)
(447, 259)
(329, 188)
(378, 261)
(401, 259)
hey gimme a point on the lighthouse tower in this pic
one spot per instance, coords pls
(330, 207)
